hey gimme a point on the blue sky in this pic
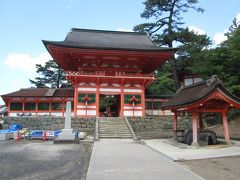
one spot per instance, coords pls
(25, 23)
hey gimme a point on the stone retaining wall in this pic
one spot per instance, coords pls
(157, 126)
(86, 125)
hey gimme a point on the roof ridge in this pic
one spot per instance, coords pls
(208, 82)
(109, 31)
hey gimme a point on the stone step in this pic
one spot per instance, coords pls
(113, 128)
(111, 122)
(115, 136)
(111, 132)
(114, 132)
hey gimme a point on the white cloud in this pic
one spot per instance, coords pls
(219, 37)
(125, 30)
(238, 17)
(196, 30)
(26, 62)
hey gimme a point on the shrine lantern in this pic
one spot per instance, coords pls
(86, 99)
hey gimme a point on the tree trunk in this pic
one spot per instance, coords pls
(175, 73)
(170, 44)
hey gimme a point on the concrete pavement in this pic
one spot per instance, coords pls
(125, 159)
(185, 152)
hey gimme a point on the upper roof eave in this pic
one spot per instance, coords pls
(68, 45)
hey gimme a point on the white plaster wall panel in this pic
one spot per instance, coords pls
(130, 113)
(86, 106)
(109, 90)
(81, 112)
(43, 113)
(127, 113)
(72, 114)
(132, 90)
(149, 112)
(12, 114)
(130, 107)
(87, 89)
(137, 113)
(168, 112)
(89, 112)
(56, 114)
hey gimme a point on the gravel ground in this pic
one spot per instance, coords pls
(44, 160)
(216, 168)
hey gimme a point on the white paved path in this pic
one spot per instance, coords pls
(114, 159)
(164, 146)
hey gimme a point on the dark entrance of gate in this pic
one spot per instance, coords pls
(109, 105)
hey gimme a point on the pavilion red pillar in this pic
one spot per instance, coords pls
(143, 101)
(225, 127)
(8, 105)
(97, 100)
(23, 105)
(175, 126)
(75, 98)
(194, 130)
(122, 100)
(50, 107)
(36, 110)
(200, 120)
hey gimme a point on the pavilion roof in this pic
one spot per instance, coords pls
(107, 40)
(42, 92)
(196, 94)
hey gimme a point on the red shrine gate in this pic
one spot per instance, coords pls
(108, 63)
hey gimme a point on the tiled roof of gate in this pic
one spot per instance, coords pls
(102, 39)
(42, 92)
(193, 93)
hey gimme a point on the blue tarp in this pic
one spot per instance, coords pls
(12, 129)
(15, 127)
(39, 133)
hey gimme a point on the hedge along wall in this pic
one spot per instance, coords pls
(86, 125)
(157, 126)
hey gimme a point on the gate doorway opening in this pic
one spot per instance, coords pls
(109, 105)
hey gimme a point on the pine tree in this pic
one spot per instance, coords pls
(51, 75)
(166, 21)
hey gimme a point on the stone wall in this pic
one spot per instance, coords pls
(86, 125)
(157, 126)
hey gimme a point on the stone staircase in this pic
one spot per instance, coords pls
(113, 127)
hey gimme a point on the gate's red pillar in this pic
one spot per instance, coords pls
(75, 98)
(194, 130)
(97, 100)
(143, 101)
(225, 127)
(200, 121)
(122, 99)
(175, 126)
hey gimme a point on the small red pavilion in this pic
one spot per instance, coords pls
(208, 96)
(102, 64)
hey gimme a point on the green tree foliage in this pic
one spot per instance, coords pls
(165, 21)
(164, 84)
(190, 46)
(51, 75)
(223, 61)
